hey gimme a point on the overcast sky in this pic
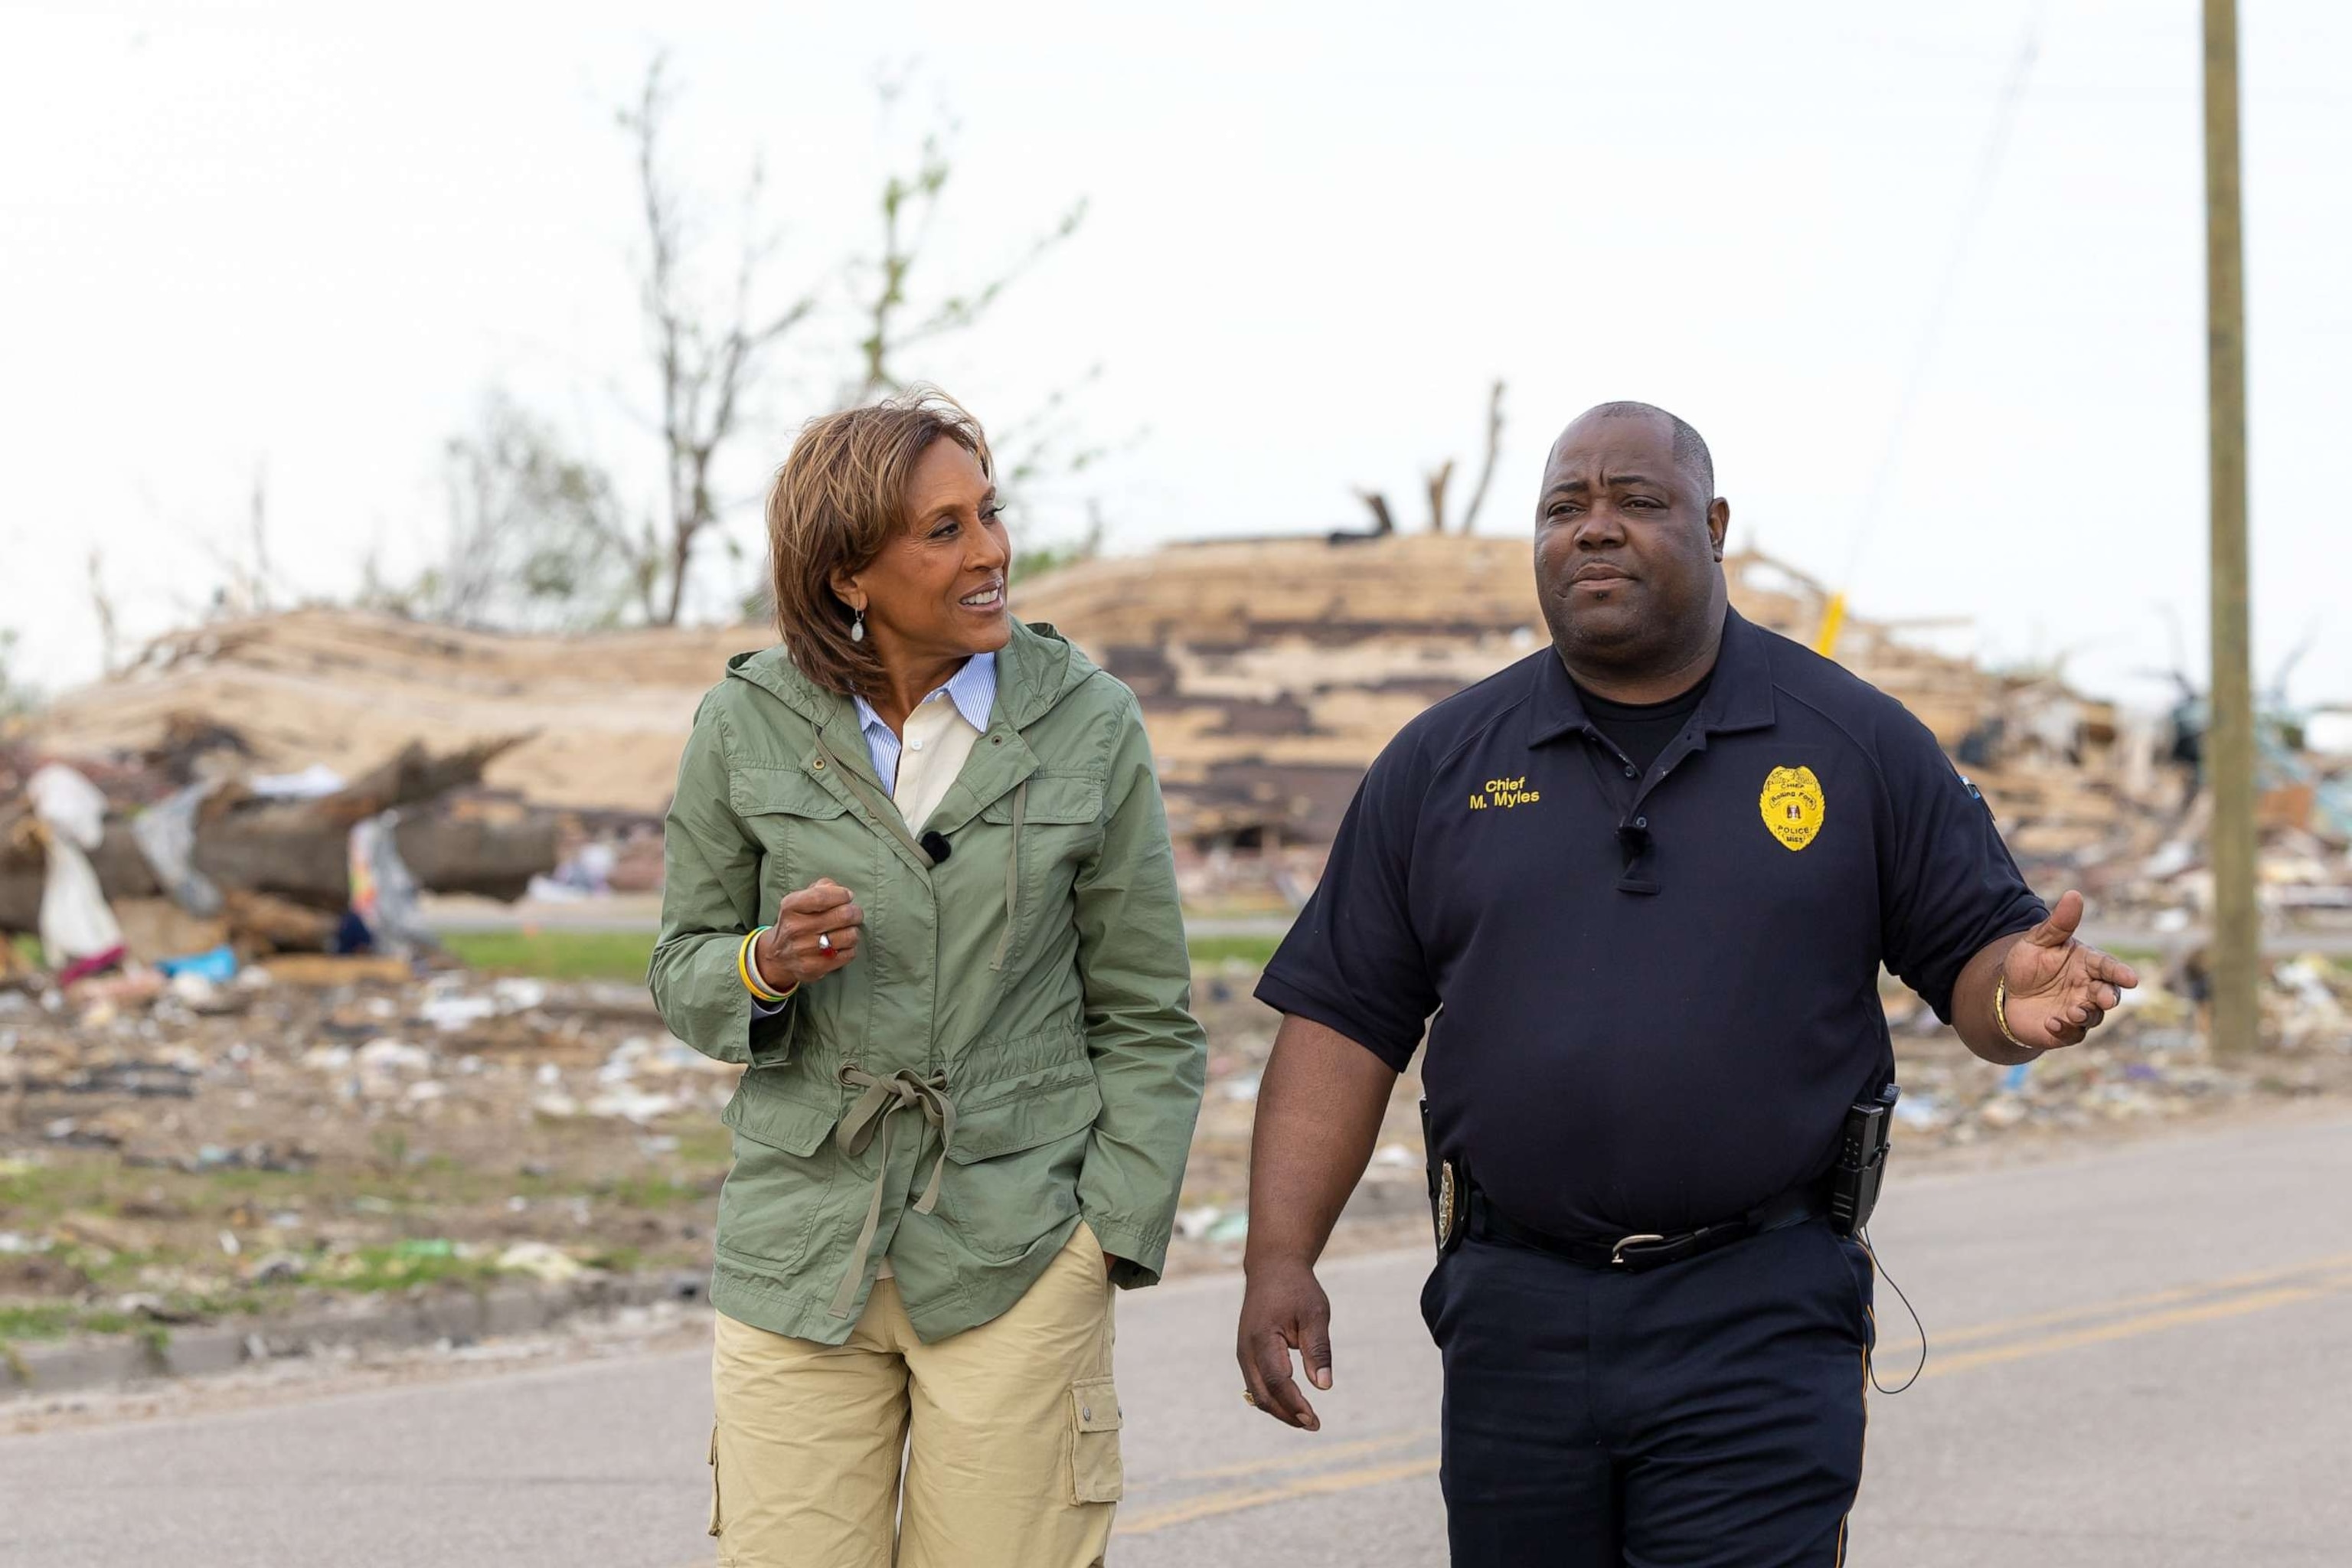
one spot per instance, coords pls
(304, 241)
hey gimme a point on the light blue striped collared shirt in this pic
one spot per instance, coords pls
(971, 689)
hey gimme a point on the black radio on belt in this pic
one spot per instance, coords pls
(1860, 1164)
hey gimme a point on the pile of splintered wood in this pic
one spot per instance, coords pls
(282, 865)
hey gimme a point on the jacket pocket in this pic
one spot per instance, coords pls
(1022, 1112)
(769, 1207)
(1017, 1157)
(1061, 825)
(777, 806)
(803, 834)
(1096, 1472)
(1053, 800)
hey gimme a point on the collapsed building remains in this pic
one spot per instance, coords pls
(1271, 672)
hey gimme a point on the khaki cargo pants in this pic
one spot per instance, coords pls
(1009, 1434)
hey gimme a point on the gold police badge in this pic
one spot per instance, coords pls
(1792, 806)
(1447, 1207)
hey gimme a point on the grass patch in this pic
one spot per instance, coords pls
(707, 1145)
(108, 1270)
(556, 954)
(656, 1190)
(397, 1268)
(40, 1320)
(27, 1321)
(37, 1195)
(1253, 950)
(623, 955)
(616, 1259)
(32, 1320)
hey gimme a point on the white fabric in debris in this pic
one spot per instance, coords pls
(69, 805)
(74, 921)
(167, 835)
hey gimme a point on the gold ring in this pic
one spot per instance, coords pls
(1248, 1398)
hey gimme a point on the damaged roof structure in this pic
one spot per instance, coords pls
(1271, 672)
(605, 715)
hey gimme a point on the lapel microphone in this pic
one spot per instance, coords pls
(935, 844)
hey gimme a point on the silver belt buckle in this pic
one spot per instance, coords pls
(1617, 1253)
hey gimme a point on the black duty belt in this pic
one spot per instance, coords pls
(1645, 1250)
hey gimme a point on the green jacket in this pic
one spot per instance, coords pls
(1012, 1048)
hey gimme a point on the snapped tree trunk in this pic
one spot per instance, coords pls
(297, 853)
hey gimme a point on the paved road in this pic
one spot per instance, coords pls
(2141, 1358)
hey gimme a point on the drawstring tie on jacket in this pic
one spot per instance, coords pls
(884, 1099)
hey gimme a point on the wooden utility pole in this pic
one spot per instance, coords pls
(2236, 955)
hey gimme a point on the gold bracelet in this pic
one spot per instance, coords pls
(2001, 1013)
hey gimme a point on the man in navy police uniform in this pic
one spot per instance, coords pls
(1644, 881)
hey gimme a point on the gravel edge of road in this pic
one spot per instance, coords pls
(1385, 1216)
(454, 1317)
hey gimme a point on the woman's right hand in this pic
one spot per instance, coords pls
(788, 955)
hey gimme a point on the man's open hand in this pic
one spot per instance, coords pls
(1284, 1309)
(2059, 989)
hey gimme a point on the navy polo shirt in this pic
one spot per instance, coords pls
(1655, 993)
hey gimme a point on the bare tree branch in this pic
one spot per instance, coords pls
(1048, 439)
(912, 200)
(706, 360)
(261, 570)
(247, 582)
(956, 312)
(102, 604)
(1486, 468)
(1383, 521)
(1436, 479)
(715, 332)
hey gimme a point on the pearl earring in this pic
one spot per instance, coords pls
(858, 627)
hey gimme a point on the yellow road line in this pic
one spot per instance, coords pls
(1209, 1504)
(2133, 1327)
(2165, 1298)
(1304, 1458)
(2138, 1320)
(2238, 1295)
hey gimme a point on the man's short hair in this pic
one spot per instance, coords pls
(1690, 447)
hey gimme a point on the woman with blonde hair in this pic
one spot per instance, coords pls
(919, 882)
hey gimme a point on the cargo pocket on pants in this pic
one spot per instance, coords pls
(714, 1480)
(1096, 1473)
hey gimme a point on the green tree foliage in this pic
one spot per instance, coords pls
(535, 538)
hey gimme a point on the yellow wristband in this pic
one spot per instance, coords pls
(743, 968)
(750, 976)
(2001, 1013)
